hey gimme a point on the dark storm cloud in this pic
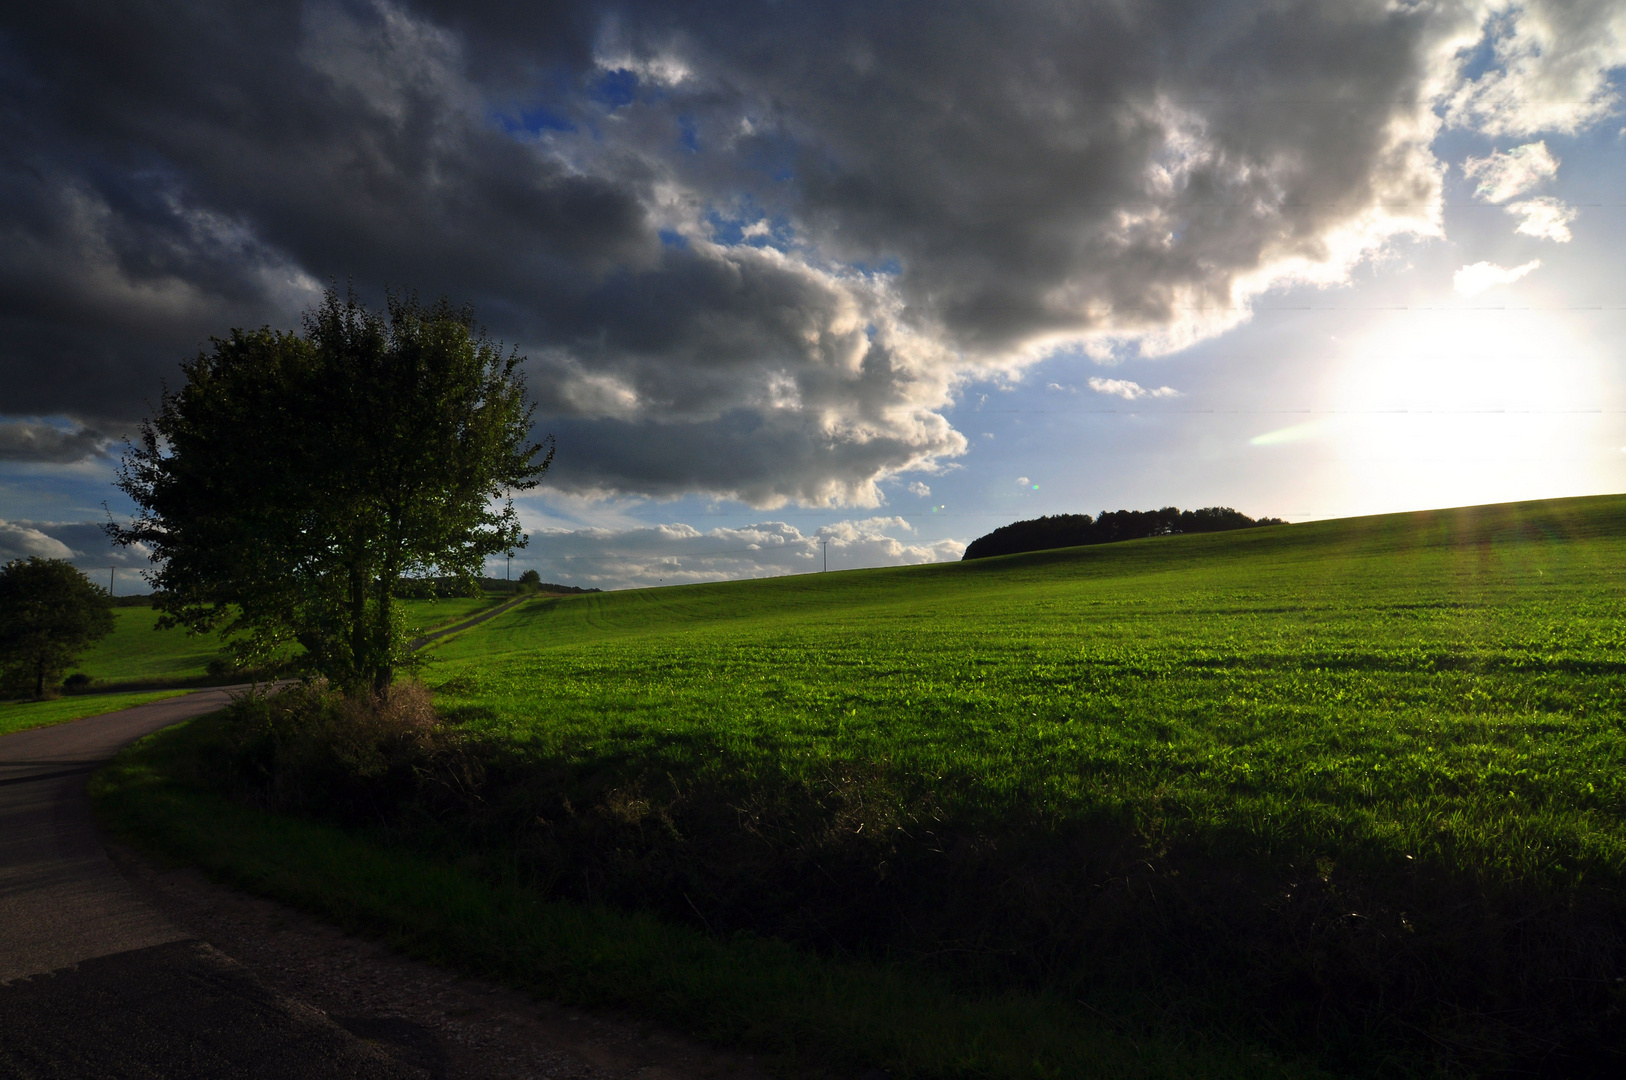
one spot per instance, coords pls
(751, 248)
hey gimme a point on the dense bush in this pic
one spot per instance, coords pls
(372, 760)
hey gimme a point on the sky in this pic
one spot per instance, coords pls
(846, 284)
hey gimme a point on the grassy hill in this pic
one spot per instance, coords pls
(1350, 789)
(1346, 733)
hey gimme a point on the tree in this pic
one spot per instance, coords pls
(49, 612)
(294, 479)
(530, 579)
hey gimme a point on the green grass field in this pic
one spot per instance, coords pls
(1351, 789)
(137, 650)
(1445, 687)
(143, 663)
(1362, 728)
(424, 616)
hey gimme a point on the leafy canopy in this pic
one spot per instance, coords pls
(49, 612)
(294, 479)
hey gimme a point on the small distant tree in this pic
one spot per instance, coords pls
(49, 613)
(289, 487)
(530, 581)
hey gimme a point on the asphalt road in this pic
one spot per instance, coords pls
(95, 983)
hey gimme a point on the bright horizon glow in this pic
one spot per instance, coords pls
(1454, 408)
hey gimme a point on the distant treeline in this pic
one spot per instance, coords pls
(429, 588)
(1075, 530)
(538, 585)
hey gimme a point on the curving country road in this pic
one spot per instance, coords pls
(96, 983)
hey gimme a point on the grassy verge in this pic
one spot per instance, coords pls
(740, 990)
(21, 716)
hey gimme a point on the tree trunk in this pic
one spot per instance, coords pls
(384, 671)
(358, 625)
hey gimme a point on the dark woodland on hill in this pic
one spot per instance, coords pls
(1076, 530)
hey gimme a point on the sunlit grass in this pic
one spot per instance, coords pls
(22, 715)
(137, 649)
(1439, 687)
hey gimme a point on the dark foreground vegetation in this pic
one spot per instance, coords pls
(1351, 792)
(1077, 530)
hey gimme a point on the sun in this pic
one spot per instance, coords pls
(1453, 407)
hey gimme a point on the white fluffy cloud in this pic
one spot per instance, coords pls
(679, 554)
(1551, 69)
(1130, 391)
(1504, 174)
(1544, 218)
(1507, 174)
(1478, 277)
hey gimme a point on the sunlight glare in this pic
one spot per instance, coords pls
(1443, 408)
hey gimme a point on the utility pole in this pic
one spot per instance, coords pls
(824, 542)
(112, 572)
(508, 574)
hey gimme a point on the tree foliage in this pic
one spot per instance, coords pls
(1076, 530)
(49, 612)
(294, 479)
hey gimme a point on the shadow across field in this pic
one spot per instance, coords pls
(1353, 961)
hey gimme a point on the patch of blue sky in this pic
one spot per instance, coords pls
(688, 134)
(614, 89)
(49, 492)
(887, 267)
(673, 239)
(1481, 56)
(747, 223)
(534, 122)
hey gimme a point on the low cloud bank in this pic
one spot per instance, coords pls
(80, 542)
(681, 554)
(36, 442)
